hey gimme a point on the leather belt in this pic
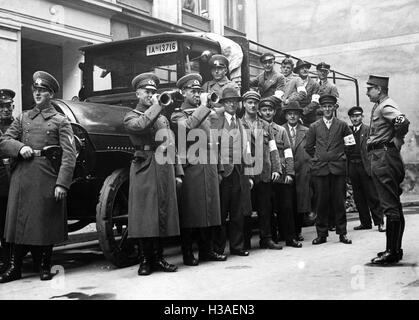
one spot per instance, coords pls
(38, 153)
(378, 146)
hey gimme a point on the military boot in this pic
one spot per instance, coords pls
(145, 263)
(391, 255)
(5, 256)
(14, 270)
(188, 257)
(159, 262)
(45, 263)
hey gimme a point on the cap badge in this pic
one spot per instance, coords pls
(196, 82)
(151, 82)
(38, 81)
(217, 63)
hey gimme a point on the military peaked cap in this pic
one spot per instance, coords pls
(378, 81)
(218, 60)
(42, 79)
(6, 95)
(146, 81)
(190, 81)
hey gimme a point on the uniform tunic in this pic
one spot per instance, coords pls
(4, 180)
(387, 168)
(217, 87)
(34, 217)
(152, 208)
(200, 198)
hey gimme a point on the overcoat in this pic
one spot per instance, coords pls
(327, 148)
(301, 167)
(152, 204)
(4, 180)
(34, 217)
(199, 202)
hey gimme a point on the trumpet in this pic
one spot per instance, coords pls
(167, 98)
(212, 97)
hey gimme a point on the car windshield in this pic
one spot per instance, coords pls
(116, 69)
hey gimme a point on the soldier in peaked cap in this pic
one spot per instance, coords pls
(328, 141)
(388, 128)
(219, 70)
(6, 119)
(259, 134)
(269, 82)
(39, 221)
(282, 188)
(364, 191)
(151, 218)
(326, 87)
(199, 202)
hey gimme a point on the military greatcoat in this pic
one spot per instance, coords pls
(152, 209)
(200, 197)
(34, 217)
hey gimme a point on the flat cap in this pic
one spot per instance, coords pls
(378, 81)
(292, 106)
(190, 81)
(230, 93)
(218, 60)
(328, 98)
(271, 101)
(354, 110)
(266, 56)
(146, 81)
(251, 95)
(323, 66)
(6, 95)
(42, 79)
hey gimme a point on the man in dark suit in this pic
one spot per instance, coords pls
(365, 194)
(235, 184)
(301, 188)
(327, 139)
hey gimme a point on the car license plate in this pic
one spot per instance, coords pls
(161, 48)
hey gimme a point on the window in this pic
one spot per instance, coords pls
(198, 7)
(235, 14)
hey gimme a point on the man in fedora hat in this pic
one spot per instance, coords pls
(269, 82)
(388, 128)
(235, 183)
(301, 188)
(327, 141)
(359, 171)
(259, 134)
(151, 218)
(199, 201)
(282, 187)
(310, 103)
(39, 220)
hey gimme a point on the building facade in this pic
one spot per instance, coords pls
(47, 34)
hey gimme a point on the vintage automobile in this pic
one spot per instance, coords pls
(99, 191)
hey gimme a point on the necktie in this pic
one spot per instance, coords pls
(293, 135)
(233, 123)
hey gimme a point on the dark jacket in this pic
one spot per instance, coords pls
(268, 84)
(363, 137)
(285, 152)
(34, 217)
(301, 167)
(327, 148)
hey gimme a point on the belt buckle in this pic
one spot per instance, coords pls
(147, 148)
(37, 153)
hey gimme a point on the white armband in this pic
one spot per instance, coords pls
(279, 94)
(272, 146)
(315, 98)
(349, 140)
(248, 149)
(288, 153)
(302, 89)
